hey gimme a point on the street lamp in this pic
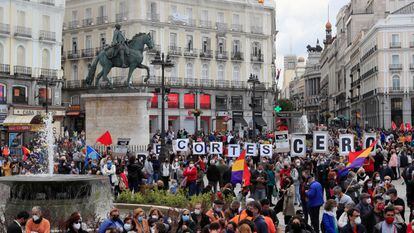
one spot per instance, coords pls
(253, 80)
(46, 81)
(164, 63)
(383, 112)
(196, 111)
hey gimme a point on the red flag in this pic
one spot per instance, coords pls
(393, 125)
(408, 126)
(25, 150)
(402, 128)
(105, 139)
(6, 151)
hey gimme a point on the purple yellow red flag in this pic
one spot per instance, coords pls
(240, 171)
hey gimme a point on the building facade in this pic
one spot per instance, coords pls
(312, 78)
(215, 46)
(30, 70)
(289, 73)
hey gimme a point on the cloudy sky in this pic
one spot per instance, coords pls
(301, 22)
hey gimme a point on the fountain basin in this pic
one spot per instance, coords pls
(58, 195)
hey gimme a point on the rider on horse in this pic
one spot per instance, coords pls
(119, 44)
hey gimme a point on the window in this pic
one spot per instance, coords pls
(102, 40)
(122, 7)
(43, 95)
(88, 13)
(236, 46)
(75, 72)
(395, 82)
(189, 101)
(153, 8)
(237, 103)
(74, 44)
(21, 18)
(205, 101)
(46, 22)
(174, 10)
(256, 49)
(220, 72)
(221, 45)
(21, 54)
(236, 73)
(395, 59)
(204, 15)
(88, 42)
(189, 46)
(204, 71)
(220, 17)
(102, 11)
(221, 102)
(236, 19)
(45, 59)
(173, 39)
(189, 71)
(3, 94)
(395, 38)
(1, 53)
(75, 100)
(19, 94)
(154, 100)
(74, 15)
(206, 44)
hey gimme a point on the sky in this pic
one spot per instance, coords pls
(301, 22)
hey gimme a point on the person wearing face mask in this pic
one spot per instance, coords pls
(74, 223)
(397, 202)
(112, 222)
(110, 170)
(296, 225)
(386, 171)
(255, 209)
(186, 224)
(258, 180)
(213, 174)
(354, 222)
(285, 171)
(157, 216)
(329, 223)
(199, 217)
(289, 196)
(18, 223)
(141, 223)
(129, 225)
(190, 173)
(369, 187)
(365, 208)
(341, 199)
(216, 212)
(389, 225)
(37, 223)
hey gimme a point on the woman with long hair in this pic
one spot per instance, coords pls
(74, 223)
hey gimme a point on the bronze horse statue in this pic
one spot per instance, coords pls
(134, 59)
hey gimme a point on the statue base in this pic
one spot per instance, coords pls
(124, 115)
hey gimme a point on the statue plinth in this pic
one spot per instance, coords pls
(124, 115)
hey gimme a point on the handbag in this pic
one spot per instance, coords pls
(279, 205)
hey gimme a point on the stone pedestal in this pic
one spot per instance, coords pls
(124, 115)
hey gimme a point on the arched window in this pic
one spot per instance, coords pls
(1, 53)
(220, 72)
(21, 56)
(189, 71)
(3, 93)
(204, 71)
(236, 73)
(19, 94)
(45, 59)
(395, 82)
(75, 72)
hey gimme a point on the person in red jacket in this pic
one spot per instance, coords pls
(284, 172)
(190, 174)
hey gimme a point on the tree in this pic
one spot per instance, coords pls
(285, 104)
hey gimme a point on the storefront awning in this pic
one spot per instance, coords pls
(73, 113)
(259, 120)
(240, 120)
(18, 119)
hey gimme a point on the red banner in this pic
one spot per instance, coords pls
(205, 101)
(173, 100)
(189, 101)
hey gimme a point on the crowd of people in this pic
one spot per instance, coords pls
(296, 194)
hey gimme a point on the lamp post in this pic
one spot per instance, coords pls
(47, 81)
(383, 112)
(253, 80)
(196, 111)
(164, 63)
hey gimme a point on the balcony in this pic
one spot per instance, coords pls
(221, 55)
(4, 28)
(47, 2)
(369, 73)
(394, 45)
(23, 70)
(237, 84)
(50, 73)
(237, 56)
(154, 50)
(174, 50)
(102, 20)
(222, 83)
(207, 83)
(206, 54)
(73, 54)
(237, 28)
(121, 17)
(222, 27)
(256, 58)
(396, 90)
(190, 82)
(23, 32)
(73, 24)
(174, 81)
(256, 29)
(411, 44)
(4, 69)
(205, 24)
(88, 53)
(153, 17)
(395, 66)
(356, 83)
(190, 52)
(87, 22)
(47, 35)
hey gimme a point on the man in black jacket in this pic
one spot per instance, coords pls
(213, 174)
(16, 225)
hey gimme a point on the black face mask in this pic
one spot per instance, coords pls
(115, 218)
(249, 213)
(296, 226)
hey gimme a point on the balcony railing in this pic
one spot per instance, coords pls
(221, 55)
(47, 35)
(205, 24)
(238, 84)
(174, 50)
(190, 52)
(237, 27)
(256, 29)
(73, 24)
(206, 54)
(48, 2)
(50, 73)
(155, 49)
(121, 17)
(23, 31)
(191, 22)
(73, 54)
(190, 82)
(23, 70)
(89, 53)
(207, 83)
(237, 56)
(174, 81)
(101, 20)
(412, 66)
(4, 68)
(396, 90)
(395, 45)
(4, 28)
(256, 57)
(87, 22)
(395, 66)
(222, 27)
(154, 17)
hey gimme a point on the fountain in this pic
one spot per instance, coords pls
(58, 195)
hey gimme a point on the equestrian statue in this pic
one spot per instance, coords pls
(122, 53)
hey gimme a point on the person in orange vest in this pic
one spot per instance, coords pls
(215, 214)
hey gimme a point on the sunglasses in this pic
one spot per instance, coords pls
(186, 215)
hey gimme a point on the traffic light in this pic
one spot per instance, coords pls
(278, 108)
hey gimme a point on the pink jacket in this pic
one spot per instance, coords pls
(393, 160)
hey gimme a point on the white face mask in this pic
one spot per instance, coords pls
(127, 227)
(76, 226)
(369, 201)
(154, 216)
(334, 209)
(378, 178)
(35, 217)
(197, 211)
(153, 229)
(358, 220)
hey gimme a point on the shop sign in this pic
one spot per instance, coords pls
(32, 112)
(222, 114)
(19, 128)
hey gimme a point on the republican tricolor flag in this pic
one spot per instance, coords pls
(240, 171)
(359, 160)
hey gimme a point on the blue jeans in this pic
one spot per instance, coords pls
(297, 193)
(259, 194)
(192, 186)
(150, 179)
(156, 176)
